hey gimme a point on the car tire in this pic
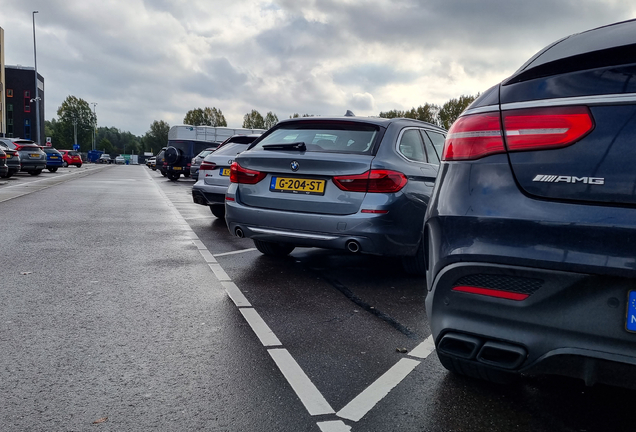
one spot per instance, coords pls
(273, 249)
(416, 264)
(35, 172)
(173, 177)
(78, 165)
(65, 164)
(218, 211)
(476, 370)
(52, 169)
(7, 175)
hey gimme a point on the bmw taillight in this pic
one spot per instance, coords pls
(475, 136)
(238, 174)
(205, 166)
(373, 181)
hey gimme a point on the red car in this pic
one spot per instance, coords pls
(71, 157)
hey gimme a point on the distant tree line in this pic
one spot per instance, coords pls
(443, 116)
(75, 123)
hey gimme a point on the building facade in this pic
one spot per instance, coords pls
(20, 110)
(3, 126)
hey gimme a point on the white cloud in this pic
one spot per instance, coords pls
(145, 60)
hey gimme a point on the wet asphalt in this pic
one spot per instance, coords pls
(111, 319)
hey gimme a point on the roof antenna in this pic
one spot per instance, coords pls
(349, 114)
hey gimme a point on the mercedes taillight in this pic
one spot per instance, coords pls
(478, 135)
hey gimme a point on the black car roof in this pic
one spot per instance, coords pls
(600, 47)
(380, 121)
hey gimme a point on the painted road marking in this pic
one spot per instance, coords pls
(219, 272)
(334, 426)
(309, 395)
(235, 252)
(235, 294)
(262, 330)
(365, 401)
(207, 256)
(424, 349)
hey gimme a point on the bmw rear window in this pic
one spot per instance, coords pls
(331, 137)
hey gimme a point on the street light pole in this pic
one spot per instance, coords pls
(94, 123)
(36, 97)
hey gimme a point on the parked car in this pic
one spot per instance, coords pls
(120, 160)
(152, 163)
(349, 183)
(54, 159)
(4, 169)
(160, 162)
(179, 154)
(12, 160)
(32, 158)
(104, 158)
(71, 157)
(214, 173)
(532, 225)
(196, 161)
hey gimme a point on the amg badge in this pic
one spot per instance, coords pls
(568, 179)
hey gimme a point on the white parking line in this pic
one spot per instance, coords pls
(365, 401)
(235, 252)
(207, 256)
(219, 272)
(262, 330)
(309, 395)
(334, 426)
(236, 295)
(424, 349)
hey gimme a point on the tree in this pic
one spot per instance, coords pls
(196, 117)
(427, 112)
(214, 117)
(449, 112)
(253, 120)
(156, 137)
(270, 120)
(105, 146)
(75, 123)
(296, 115)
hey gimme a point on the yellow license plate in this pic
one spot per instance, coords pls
(225, 172)
(176, 168)
(53, 157)
(297, 185)
(8, 156)
(34, 155)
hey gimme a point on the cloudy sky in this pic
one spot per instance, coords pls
(145, 60)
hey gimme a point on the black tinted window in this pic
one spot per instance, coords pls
(411, 145)
(325, 137)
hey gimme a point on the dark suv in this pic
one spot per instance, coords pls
(179, 154)
(532, 224)
(32, 158)
(12, 160)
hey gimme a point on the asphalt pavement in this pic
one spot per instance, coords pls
(126, 307)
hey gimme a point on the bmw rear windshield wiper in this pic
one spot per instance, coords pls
(300, 146)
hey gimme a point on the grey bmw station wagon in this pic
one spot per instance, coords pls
(360, 184)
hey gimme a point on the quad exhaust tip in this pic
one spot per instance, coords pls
(498, 354)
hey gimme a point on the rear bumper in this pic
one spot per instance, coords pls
(208, 195)
(574, 262)
(27, 165)
(370, 233)
(570, 324)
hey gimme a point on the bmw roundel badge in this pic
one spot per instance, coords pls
(295, 166)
